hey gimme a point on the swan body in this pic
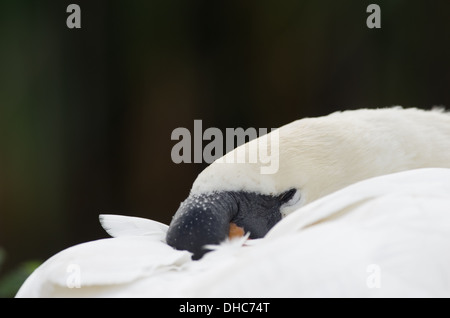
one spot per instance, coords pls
(386, 236)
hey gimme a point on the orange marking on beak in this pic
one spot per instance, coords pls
(235, 231)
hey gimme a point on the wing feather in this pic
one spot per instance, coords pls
(119, 225)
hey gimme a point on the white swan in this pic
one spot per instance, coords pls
(317, 157)
(388, 236)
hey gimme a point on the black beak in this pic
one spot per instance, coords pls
(201, 220)
(204, 219)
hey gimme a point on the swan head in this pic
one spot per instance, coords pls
(315, 157)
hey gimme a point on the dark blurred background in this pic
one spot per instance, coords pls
(86, 114)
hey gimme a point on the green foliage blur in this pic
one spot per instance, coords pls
(11, 281)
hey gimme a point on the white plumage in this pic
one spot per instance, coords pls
(387, 236)
(321, 155)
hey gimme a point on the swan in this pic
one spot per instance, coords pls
(317, 156)
(372, 185)
(386, 236)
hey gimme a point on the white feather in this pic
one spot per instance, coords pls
(118, 226)
(398, 224)
(102, 268)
